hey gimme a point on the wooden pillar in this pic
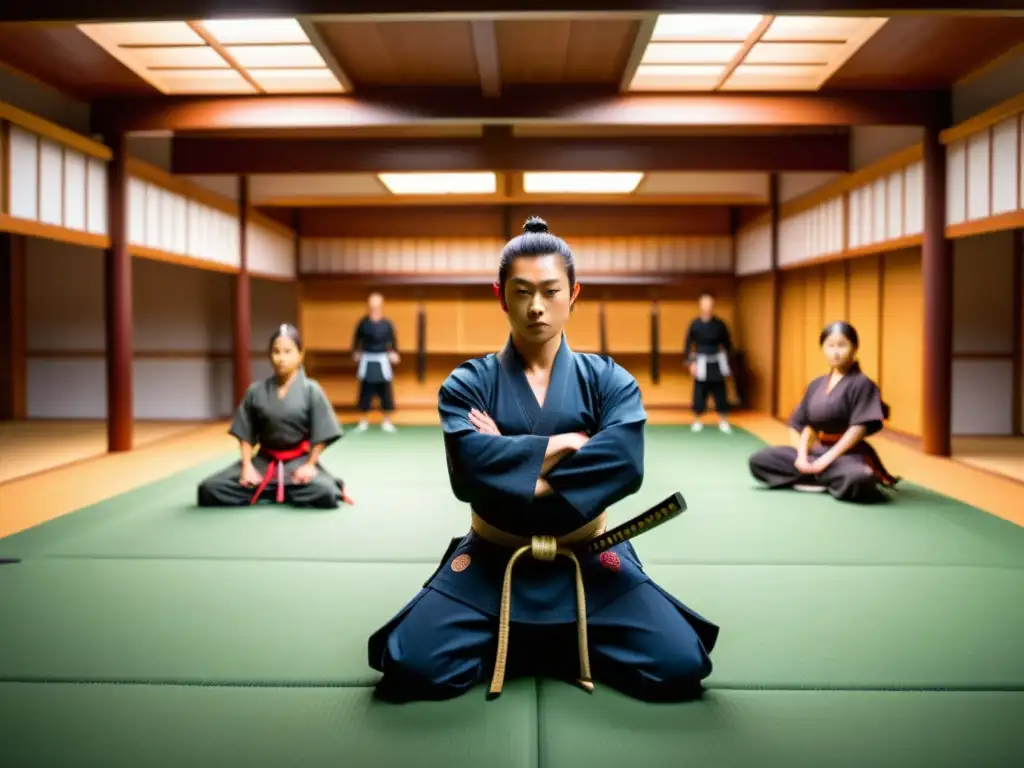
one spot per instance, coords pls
(118, 284)
(243, 299)
(937, 284)
(1018, 333)
(655, 344)
(773, 203)
(13, 336)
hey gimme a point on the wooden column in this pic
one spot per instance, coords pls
(243, 298)
(937, 284)
(773, 203)
(118, 284)
(13, 337)
(1018, 332)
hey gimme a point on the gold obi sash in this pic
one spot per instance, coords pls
(545, 548)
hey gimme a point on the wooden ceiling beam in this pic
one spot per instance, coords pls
(684, 153)
(488, 62)
(155, 10)
(537, 104)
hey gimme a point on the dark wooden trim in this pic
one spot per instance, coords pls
(356, 10)
(421, 343)
(471, 280)
(983, 355)
(13, 327)
(118, 281)
(655, 349)
(602, 329)
(937, 285)
(776, 276)
(578, 104)
(1018, 333)
(496, 152)
(242, 305)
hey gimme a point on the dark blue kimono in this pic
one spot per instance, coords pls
(643, 641)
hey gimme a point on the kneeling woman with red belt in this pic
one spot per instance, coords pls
(837, 412)
(292, 421)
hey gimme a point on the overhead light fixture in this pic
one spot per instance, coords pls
(256, 31)
(244, 55)
(705, 26)
(583, 183)
(753, 52)
(482, 183)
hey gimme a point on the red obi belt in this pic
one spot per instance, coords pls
(867, 452)
(277, 462)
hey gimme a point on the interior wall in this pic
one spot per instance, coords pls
(466, 321)
(182, 335)
(983, 338)
(881, 297)
(43, 101)
(989, 86)
(755, 305)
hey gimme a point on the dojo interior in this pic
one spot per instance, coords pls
(172, 191)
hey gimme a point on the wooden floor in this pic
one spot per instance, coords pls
(1002, 455)
(27, 447)
(70, 471)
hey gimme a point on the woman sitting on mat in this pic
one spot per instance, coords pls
(292, 421)
(540, 441)
(828, 427)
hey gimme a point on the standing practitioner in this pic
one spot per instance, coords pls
(709, 362)
(375, 348)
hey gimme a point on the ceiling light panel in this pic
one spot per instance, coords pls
(753, 52)
(256, 31)
(690, 53)
(178, 57)
(296, 80)
(276, 56)
(485, 183)
(596, 183)
(723, 27)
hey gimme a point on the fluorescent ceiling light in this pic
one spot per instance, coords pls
(255, 31)
(594, 183)
(276, 56)
(754, 52)
(485, 183)
(690, 53)
(296, 80)
(705, 26)
(183, 57)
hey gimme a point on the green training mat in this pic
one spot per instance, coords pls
(283, 623)
(410, 515)
(131, 726)
(783, 729)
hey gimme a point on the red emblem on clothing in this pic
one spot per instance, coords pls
(610, 560)
(460, 563)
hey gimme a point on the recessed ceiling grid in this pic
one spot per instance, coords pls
(748, 52)
(235, 56)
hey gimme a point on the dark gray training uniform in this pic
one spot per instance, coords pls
(276, 424)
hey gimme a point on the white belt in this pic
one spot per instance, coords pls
(702, 365)
(381, 358)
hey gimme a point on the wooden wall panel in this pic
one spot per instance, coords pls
(814, 290)
(902, 333)
(792, 332)
(864, 310)
(628, 326)
(584, 328)
(593, 255)
(834, 292)
(753, 331)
